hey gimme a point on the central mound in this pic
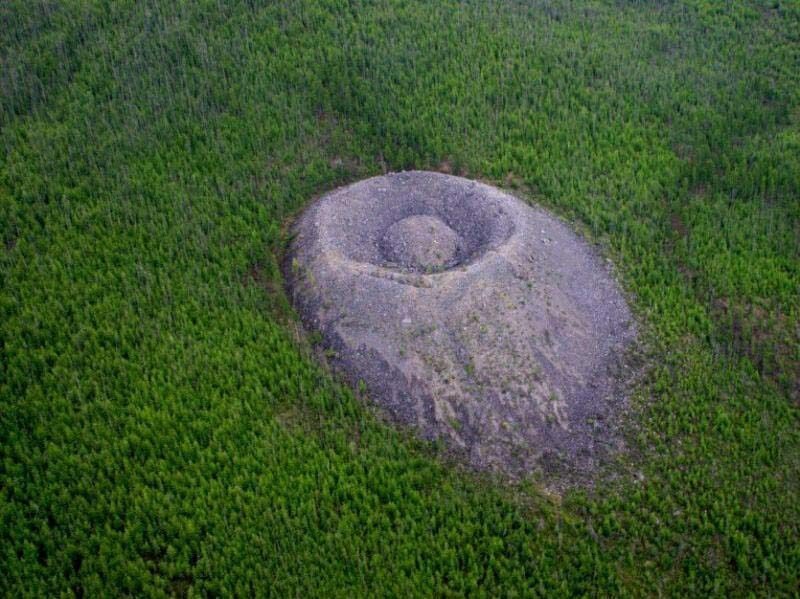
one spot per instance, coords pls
(470, 316)
(421, 243)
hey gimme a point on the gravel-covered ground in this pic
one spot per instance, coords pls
(470, 316)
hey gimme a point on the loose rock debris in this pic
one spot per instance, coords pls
(470, 315)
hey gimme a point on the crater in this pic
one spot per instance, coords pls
(421, 243)
(472, 317)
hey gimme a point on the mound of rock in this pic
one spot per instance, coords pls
(470, 316)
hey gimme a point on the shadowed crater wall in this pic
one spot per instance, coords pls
(470, 315)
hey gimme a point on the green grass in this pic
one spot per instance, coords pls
(165, 430)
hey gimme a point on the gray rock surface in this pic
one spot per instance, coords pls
(470, 315)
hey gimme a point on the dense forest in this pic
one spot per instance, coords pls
(165, 427)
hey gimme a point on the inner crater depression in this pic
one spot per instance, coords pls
(470, 315)
(422, 243)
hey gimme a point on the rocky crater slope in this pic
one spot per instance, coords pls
(470, 315)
